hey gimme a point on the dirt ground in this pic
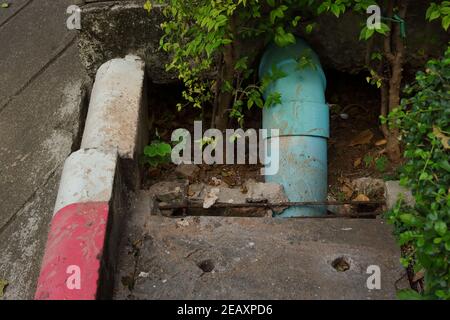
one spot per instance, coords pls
(356, 147)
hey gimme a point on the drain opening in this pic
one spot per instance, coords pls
(341, 264)
(206, 265)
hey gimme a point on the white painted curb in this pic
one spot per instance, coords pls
(117, 102)
(88, 176)
(92, 194)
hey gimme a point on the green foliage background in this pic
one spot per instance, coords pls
(424, 119)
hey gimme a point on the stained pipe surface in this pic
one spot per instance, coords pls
(302, 119)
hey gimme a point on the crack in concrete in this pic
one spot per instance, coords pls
(59, 52)
(13, 217)
(15, 13)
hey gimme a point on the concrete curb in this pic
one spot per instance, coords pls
(80, 255)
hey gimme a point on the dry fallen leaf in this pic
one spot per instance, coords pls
(444, 139)
(347, 191)
(357, 163)
(381, 142)
(419, 276)
(361, 197)
(3, 285)
(364, 137)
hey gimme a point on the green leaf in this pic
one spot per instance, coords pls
(335, 9)
(446, 22)
(150, 151)
(444, 164)
(441, 228)
(430, 10)
(283, 38)
(409, 294)
(148, 6)
(384, 29)
(366, 33)
(434, 14)
(407, 218)
(277, 13)
(424, 176)
(241, 64)
(295, 21)
(323, 7)
(376, 56)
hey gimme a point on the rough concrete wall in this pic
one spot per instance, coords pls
(115, 28)
(338, 45)
(112, 29)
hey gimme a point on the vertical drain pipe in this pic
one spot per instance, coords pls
(303, 122)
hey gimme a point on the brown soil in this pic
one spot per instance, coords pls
(351, 95)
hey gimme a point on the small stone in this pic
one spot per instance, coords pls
(188, 171)
(211, 198)
(393, 193)
(260, 192)
(144, 274)
(196, 191)
(167, 193)
(170, 191)
(215, 181)
(361, 198)
(182, 223)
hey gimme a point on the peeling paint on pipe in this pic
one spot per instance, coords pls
(302, 118)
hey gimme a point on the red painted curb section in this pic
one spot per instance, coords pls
(71, 265)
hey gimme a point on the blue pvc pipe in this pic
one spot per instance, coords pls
(302, 118)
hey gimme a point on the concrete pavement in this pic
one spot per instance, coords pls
(257, 258)
(42, 94)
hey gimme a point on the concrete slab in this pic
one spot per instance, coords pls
(30, 41)
(255, 258)
(22, 242)
(38, 130)
(15, 6)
